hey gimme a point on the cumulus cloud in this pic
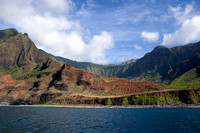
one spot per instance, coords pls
(189, 30)
(137, 47)
(150, 36)
(48, 26)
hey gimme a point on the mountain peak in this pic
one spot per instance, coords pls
(19, 50)
(8, 32)
(160, 47)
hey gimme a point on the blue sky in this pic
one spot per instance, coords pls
(103, 31)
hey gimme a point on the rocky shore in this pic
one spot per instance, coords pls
(111, 106)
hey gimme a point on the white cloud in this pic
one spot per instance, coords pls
(150, 36)
(137, 47)
(47, 24)
(58, 6)
(122, 15)
(180, 14)
(189, 30)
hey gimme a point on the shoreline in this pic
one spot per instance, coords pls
(109, 106)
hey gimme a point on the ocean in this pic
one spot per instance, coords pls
(61, 119)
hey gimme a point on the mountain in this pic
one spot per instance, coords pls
(111, 69)
(188, 80)
(17, 50)
(30, 76)
(165, 64)
(162, 64)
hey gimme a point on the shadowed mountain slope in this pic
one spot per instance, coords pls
(165, 64)
(162, 64)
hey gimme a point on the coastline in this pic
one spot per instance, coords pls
(109, 106)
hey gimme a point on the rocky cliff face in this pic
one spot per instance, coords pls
(17, 49)
(79, 90)
(63, 82)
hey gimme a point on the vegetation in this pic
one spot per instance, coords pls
(8, 32)
(19, 74)
(196, 97)
(3, 72)
(189, 80)
(91, 67)
(50, 103)
(14, 70)
(151, 76)
(72, 86)
(147, 99)
(29, 75)
(108, 102)
(172, 99)
(125, 101)
(33, 74)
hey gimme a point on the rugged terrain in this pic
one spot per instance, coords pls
(31, 76)
(63, 82)
(18, 50)
(162, 64)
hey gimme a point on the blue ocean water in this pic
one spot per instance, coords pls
(50, 119)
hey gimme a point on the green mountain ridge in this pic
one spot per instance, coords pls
(165, 64)
(110, 69)
(162, 64)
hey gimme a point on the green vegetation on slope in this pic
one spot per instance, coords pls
(150, 76)
(176, 97)
(189, 80)
(125, 101)
(146, 99)
(19, 74)
(8, 32)
(26, 76)
(108, 102)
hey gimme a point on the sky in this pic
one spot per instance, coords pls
(103, 31)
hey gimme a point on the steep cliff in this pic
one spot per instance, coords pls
(17, 50)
